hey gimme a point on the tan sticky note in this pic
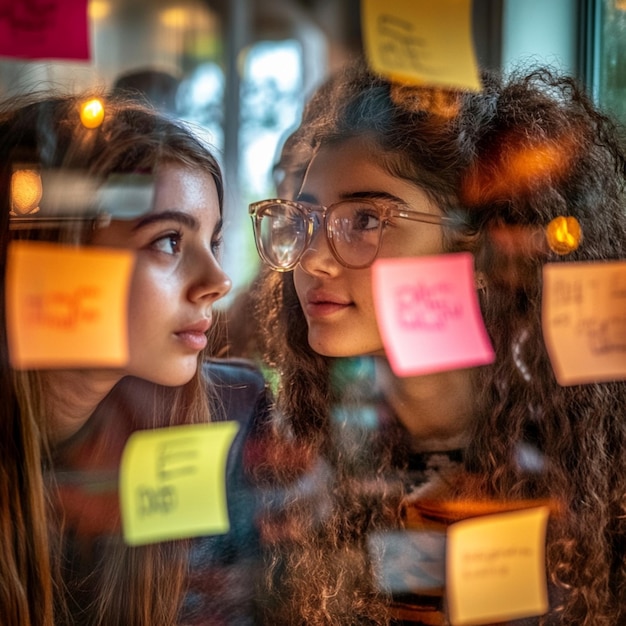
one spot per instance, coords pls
(427, 42)
(67, 306)
(173, 482)
(584, 320)
(495, 567)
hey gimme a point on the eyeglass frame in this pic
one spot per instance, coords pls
(388, 211)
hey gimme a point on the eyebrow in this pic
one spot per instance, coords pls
(167, 216)
(359, 195)
(175, 216)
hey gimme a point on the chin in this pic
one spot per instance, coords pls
(177, 376)
(331, 351)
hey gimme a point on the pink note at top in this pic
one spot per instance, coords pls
(428, 313)
(44, 29)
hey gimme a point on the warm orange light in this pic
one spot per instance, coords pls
(442, 103)
(92, 113)
(99, 9)
(26, 192)
(563, 234)
(515, 166)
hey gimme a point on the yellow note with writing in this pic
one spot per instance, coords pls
(425, 42)
(67, 306)
(495, 567)
(584, 320)
(173, 482)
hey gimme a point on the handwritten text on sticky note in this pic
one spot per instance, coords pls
(172, 482)
(584, 320)
(428, 314)
(67, 306)
(425, 42)
(496, 567)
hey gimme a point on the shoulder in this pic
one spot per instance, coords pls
(240, 373)
(237, 388)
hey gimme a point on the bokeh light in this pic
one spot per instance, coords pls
(26, 192)
(563, 234)
(92, 113)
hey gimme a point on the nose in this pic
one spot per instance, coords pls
(210, 282)
(318, 257)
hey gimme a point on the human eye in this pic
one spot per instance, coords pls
(364, 218)
(169, 243)
(217, 244)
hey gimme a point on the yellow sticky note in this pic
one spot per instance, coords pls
(584, 320)
(425, 42)
(495, 567)
(173, 482)
(67, 306)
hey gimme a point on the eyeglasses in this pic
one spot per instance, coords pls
(283, 229)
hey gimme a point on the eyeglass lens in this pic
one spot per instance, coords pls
(283, 233)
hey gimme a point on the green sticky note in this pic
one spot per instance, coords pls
(173, 482)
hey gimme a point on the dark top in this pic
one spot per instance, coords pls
(222, 568)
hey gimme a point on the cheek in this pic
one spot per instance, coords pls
(426, 241)
(150, 292)
(367, 296)
(299, 281)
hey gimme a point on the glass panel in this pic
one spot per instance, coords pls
(612, 57)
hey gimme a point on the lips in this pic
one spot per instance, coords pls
(194, 336)
(319, 303)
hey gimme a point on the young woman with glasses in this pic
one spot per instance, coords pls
(389, 170)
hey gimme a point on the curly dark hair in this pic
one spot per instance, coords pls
(527, 148)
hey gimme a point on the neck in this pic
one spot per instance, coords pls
(71, 398)
(436, 409)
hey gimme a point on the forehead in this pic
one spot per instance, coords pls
(177, 184)
(353, 166)
(347, 160)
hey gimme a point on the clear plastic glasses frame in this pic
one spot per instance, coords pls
(284, 229)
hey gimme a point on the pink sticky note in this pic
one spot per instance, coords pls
(428, 313)
(44, 29)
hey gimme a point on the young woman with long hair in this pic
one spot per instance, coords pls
(384, 169)
(64, 430)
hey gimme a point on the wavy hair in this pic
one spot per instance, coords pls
(506, 160)
(131, 585)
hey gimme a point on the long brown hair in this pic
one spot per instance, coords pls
(129, 586)
(461, 154)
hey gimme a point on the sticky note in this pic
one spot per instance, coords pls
(495, 567)
(66, 306)
(584, 320)
(172, 482)
(428, 313)
(427, 42)
(55, 29)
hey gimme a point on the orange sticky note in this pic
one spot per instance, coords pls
(584, 320)
(173, 482)
(495, 567)
(67, 306)
(428, 314)
(427, 42)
